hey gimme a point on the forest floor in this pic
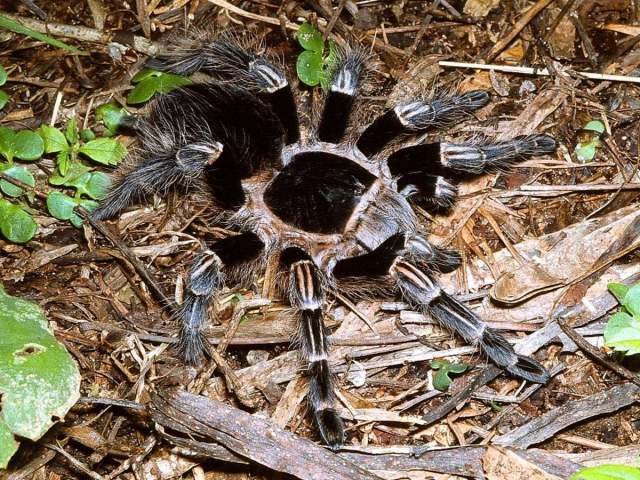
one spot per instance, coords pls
(540, 243)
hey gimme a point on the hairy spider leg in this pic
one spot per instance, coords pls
(307, 297)
(159, 175)
(225, 60)
(408, 265)
(418, 116)
(482, 157)
(423, 171)
(343, 89)
(418, 288)
(431, 257)
(206, 277)
(200, 134)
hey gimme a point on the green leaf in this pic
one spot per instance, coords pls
(15, 224)
(631, 301)
(111, 115)
(97, 186)
(4, 98)
(107, 151)
(142, 92)
(87, 135)
(623, 333)
(60, 206)
(585, 152)
(168, 82)
(155, 82)
(6, 142)
(607, 472)
(437, 364)
(328, 65)
(72, 131)
(19, 173)
(618, 290)
(595, 126)
(458, 367)
(88, 205)
(441, 380)
(63, 161)
(54, 139)
(145, 74)
(39, 380)
(25, 145)
(19, 28)
(3, 76)
(309, 68)
(28, 145)
(310, 38)
(75, 171)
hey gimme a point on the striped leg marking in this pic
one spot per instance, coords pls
(205, 280)
(307, 298)
(420, 291)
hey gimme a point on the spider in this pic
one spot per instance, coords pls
(332, 212)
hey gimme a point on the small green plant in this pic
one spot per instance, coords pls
(39, 380)
(4, 96)
(608, 472)
(313, 66)
(149, 82)
(71, 143)
(16, 223)
(72, 173)
(589, 141)
(622, 332)
(442, 380)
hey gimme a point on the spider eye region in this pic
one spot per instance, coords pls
(318, 191)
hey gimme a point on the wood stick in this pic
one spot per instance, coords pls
(538, 71)
(86, 34)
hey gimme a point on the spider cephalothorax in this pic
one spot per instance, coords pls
(333, 213)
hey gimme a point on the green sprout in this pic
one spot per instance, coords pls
(442, 379)
(590, 141)
(315, 63)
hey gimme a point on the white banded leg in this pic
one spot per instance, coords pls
(338, 104)
(481, 157)
(206, 278)
(307, 297)
(422, 293)
(418, 116)
(158, 175)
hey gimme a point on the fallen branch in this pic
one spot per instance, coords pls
(545, 426)
(253, 438)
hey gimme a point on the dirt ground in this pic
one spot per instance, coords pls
(113, 324)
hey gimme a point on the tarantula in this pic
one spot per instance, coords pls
(335, 213)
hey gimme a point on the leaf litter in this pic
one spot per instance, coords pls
(544, 239)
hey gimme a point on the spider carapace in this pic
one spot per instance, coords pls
(333, 210)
